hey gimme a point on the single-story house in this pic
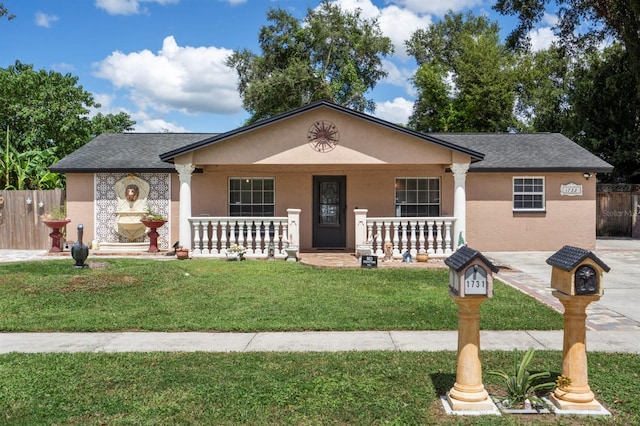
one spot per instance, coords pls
(325, 177)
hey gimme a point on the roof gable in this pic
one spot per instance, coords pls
(243, 133)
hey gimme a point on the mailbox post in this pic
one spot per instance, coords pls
(470, 284)
(576, 278)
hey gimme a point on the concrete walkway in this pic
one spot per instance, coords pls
(613, 322)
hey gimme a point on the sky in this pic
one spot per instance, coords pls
(162, 61)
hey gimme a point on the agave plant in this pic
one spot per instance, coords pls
(523, 385)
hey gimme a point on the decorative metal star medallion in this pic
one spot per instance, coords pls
(323, 136)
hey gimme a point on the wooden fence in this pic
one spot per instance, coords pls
(617, 209)
(21, 227)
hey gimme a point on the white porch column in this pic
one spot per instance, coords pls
(184, 234)
(294, 227)
(459, 202)
(361, 226)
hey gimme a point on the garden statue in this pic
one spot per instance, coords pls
(132, 206)
(80, 251)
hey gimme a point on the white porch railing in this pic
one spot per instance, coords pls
(431, 235)
(213, 236)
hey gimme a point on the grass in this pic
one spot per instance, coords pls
(205, 295)
(354, 388)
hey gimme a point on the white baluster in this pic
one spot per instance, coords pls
(371, 238)
(195, 231)
(284, 239)
(223, 236)
(414, 249)
(404, 236)
(259, 226)
(447, 237)
(214, 237)
(205, 237)
(396, 238)
(421, 240)
(387, 235)
(430, 249)
(439, 249)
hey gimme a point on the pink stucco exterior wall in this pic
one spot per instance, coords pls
(80, 205)
(492, 225)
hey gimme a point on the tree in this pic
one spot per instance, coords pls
(466, 80)
(604, 111)
(45, 116)
(47, 109)
(581, 24)
(5, 12)
(330, 54)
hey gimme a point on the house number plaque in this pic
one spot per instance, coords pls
(475, 280)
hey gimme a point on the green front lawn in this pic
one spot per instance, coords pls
(135, 294)
(354, 388)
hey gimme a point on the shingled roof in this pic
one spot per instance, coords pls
(489, 152)
(534, 152)
(123, 152)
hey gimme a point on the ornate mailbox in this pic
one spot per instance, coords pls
(470, 273)
(576, 272)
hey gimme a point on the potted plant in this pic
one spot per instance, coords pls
(236, 252)
(153, 221)
(182, 253)
(523, 388)
(56, 219)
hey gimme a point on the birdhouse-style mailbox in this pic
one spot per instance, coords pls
(576, 271)
(470, 273)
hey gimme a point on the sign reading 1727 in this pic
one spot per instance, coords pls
(475, 280)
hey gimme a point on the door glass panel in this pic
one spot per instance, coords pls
(329, 203)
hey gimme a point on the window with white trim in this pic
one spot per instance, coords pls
(528, 194)
(250, 196)
(417, 197)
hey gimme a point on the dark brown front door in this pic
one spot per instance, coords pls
(329, 209)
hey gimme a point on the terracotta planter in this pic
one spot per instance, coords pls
(422, 257)
(56, 235)
(153, 225)
(182, 253)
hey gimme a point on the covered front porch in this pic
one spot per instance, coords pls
(279, 237)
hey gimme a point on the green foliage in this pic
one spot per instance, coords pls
(605, 113)
(522, 384)
(330, 54)
(45, 116)
(466, 80)
(581, 25)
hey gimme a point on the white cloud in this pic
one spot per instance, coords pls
(396, 23)
(396, 111)
(44, 20)
(178, 78)
(541, 38)
(157, 125)
(127, 7)
(437, 7)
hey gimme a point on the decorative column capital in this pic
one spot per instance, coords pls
(185, 170)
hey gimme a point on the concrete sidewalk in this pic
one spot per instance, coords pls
(321, 341)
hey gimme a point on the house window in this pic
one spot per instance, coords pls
(251, 197)
(417, 197)
(528, 194)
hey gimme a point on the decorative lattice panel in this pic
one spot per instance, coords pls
(106, 202)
